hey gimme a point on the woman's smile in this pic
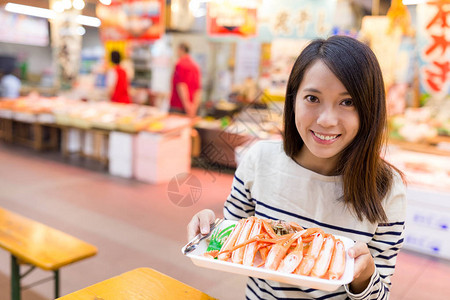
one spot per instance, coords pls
(325, 138)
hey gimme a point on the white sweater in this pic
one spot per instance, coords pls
(269, 184)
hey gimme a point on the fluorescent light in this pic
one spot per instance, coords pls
(48, 14)
(78, 4)
(30, 10)
(88, 21)
(413, 2)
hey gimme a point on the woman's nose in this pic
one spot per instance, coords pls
(328, 117)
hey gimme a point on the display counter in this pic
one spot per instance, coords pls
(223, 139)
(428, 193)
(132, 141)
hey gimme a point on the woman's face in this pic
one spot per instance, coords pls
(325, 117)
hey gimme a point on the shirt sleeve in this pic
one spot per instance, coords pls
(385, 245)
(180, 74)
(240, 203)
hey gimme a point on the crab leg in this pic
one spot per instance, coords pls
(231, 241)
(337, 265)
(311, 233)
(279, 250)
(237, 255)
(293, 259)
(324, 258)
(263, 239)
(295, 226)
(308, 261)
(264, 251)
(250, 249)
(269, 230)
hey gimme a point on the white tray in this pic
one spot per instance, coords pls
(299, 280)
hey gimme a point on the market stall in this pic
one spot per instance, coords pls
(132, 141)
(245, 52)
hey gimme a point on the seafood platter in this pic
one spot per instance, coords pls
(278, 251)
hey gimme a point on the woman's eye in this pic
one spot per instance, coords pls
(311, 98)
(347, 102)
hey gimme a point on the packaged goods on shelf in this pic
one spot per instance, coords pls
(419, 125)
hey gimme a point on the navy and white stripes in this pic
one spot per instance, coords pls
(286, 191)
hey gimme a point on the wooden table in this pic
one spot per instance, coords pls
(138, 284)
(38, 245)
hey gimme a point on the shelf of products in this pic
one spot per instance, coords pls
(142, 62)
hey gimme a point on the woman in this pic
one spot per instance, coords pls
(328, 171)
(118, 81)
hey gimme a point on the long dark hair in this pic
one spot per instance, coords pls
(367, 178)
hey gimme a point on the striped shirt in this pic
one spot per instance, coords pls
(269, 184)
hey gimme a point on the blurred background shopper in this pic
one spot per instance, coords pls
(186, 89)
(118, 80)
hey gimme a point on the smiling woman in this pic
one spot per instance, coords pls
(327, 172)
(325, 117)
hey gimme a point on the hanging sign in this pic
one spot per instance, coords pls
(22, 29)
(295, 19)
(433, 40)
(227, 18)
(138, 20)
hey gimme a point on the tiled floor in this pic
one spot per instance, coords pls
(135, 224)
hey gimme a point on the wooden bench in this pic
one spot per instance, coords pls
(141, 283)
(38, 245)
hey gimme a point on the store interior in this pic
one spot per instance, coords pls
(104, 172)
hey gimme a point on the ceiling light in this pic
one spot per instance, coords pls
(30, 10)
(88, 21)
(49, 14)
(78, 4)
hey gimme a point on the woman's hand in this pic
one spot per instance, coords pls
(364, 267)
(200, 222)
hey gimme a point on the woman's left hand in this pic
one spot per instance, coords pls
(364, 267)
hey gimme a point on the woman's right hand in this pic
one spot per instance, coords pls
(200, 222)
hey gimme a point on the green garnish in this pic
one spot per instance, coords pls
(219, 237)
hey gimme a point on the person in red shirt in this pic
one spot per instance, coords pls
(118, 81)
(186, 90)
